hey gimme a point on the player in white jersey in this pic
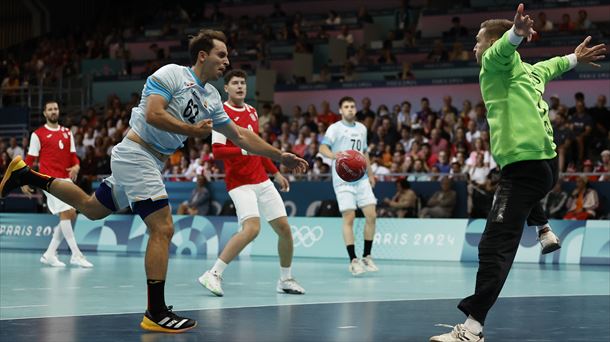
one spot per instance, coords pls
(348, 134)
(177, 102)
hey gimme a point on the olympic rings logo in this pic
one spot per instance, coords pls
(306, 236)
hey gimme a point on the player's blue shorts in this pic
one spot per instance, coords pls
(136, 175)
(355, 195)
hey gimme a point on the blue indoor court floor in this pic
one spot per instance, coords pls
(402, 302)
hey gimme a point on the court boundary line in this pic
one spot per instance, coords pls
(297, 304)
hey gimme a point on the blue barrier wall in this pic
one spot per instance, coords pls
(303, 196)
(583, 242)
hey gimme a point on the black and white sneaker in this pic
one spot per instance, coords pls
(167, 322)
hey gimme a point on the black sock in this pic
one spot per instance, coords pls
(351, 250)
(156, 296)
(37, 179)
(368, 244)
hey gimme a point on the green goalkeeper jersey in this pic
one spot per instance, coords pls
(518, 118)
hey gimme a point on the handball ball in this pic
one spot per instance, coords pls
(350, 165)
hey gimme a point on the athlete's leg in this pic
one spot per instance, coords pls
(250, 229)
(161, 229)
(348, 227)
(19, 174)
(370, 217)
(285, 244)
(71, 194)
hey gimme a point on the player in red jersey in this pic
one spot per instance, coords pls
(53, 145)
(251, 191)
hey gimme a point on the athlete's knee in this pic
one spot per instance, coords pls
(252, 230)
(284, 231)
(371, 217)
(164, 230)
(93, 209)
(348, 220)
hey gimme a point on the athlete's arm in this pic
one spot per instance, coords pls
(252, 143)
(222, 152)
(157, 116)
(369, 171)
(325, 151)
(501, 54)
(269, 166)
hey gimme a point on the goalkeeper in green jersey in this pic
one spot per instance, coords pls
(521, 143)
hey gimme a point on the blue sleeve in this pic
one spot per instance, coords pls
(219, 116)
(163, 82)
(329, 138)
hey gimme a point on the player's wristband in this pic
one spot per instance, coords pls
(244, 152)
(573, 60)
(513, 38)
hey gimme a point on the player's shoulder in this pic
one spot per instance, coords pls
(212, 93)
(360, 125)
(333, 126)
(40, 130)
(170, 69)
(250, 109)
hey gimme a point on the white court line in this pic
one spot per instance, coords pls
(298, 304)
(347, 327)
(124, 286)
(100, 287)
(22, 306)
(19, 289)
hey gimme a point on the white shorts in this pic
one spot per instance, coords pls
(355, 195)
(56, 205)
(253, 199)
(136, 175)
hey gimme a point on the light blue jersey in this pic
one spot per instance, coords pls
(342, 136)
(188, 100)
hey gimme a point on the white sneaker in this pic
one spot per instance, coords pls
(459, 334)
(212, 282)
(369, 264)
(80, 260)
(289, 286)
(356, 267)
(51, 260)
(549, 241)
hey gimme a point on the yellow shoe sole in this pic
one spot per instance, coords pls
(16, 164)
(149, 325)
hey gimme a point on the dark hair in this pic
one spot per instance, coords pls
(346, 99)
(44, 107)
(204, 41)
(235, 73)
(495, 28)
(425, 99)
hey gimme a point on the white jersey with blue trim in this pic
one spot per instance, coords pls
(188, 100)
(342, 136)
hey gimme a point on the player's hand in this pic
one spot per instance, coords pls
(524, 25)
(73, 171)
(203, 128)
(589, 55)
(27, 190)
(293, 162)
(282, 182)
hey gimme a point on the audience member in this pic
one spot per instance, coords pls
(442, 202)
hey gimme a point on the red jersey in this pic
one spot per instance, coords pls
(55, 150)
(241, 169)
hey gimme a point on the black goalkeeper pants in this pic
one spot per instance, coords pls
(522, 186)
